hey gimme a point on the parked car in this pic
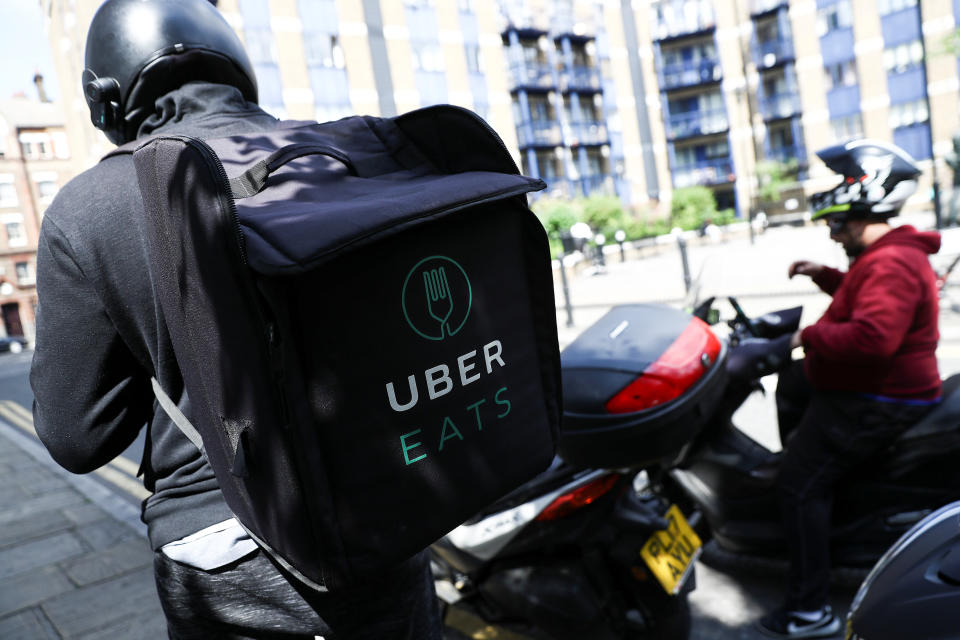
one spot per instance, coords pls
(13, 344)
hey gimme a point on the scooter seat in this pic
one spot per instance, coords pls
(556, 475)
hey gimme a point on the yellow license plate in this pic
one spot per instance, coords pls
(671, 552)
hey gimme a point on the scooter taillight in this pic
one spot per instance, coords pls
(580, 497)
(676, 370)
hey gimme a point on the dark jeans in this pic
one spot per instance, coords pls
(825, 435)
(252, 599)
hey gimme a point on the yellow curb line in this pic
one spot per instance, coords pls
(123, 476)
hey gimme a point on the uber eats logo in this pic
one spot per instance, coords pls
(437, 297)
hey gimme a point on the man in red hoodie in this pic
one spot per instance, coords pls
(870, 367)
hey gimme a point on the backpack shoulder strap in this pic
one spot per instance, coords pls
(125, 149)
(171, 409)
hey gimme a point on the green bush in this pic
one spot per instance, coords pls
(557, 215)
(725, 216)
(604, 214)
(691, 206)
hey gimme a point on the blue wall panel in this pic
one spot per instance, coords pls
(843, 101)
(915, 139)
(837, 46)
(901, 26)
(907, 86)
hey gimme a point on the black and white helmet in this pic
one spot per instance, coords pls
(878, 177)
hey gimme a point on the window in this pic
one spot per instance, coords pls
(36, 145)
(846, 127)
(465, 6)
(908, 113)
(549, 164)
(47, 189)
(903, 56)
(833, 17)
(323, 50)
(474, 58)
(541, 109)
(596, 163)
(8, 191)
(427, 56)
(260, 45)
(16, 233)
(841, 74)
(24, 274)
(889, 6)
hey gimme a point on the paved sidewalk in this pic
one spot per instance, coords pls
(74, 559)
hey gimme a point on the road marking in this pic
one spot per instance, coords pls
(120, 472)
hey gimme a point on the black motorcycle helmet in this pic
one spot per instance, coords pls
(878, 177)
(139, 50)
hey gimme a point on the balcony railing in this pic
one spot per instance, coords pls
(706, 173)
(532, 75)
(539, 133)
(696, 123)
(780, 105)
(581, 78)
(588, 132)
(772, 52)
(688, 74)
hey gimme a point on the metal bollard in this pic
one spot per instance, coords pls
(686, 264)
(566, 291)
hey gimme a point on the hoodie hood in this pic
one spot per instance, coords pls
(908, 236)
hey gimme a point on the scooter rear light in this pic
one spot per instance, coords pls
(676, 370)
(580, 497)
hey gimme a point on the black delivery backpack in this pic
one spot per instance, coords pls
(363, 313)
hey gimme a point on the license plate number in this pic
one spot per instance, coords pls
(671, 552)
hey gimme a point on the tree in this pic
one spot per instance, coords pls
(775, 177)
(691, 206)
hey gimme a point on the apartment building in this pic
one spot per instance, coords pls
(630, 97)
(35, 162)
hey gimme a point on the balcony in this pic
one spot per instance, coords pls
(770, 53)
(532, 76)
(681, 18)
(602, 183)
(580, 78)
(696, 123)
(704, 173)
(780, 105)
(539, 133)
(689, 74)
(788, 154)
(590, 132)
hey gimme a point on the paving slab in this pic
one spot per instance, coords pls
(28, 625)
(32, 588)
(39, 553)
(103, 604)
(110, 562)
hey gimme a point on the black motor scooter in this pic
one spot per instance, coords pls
(586, 550)
(728, 477)
(914, 589)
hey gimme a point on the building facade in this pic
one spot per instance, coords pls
(35, 161)
(628, 97)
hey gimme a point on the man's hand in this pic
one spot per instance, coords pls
(796, 340)
(805, 268)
